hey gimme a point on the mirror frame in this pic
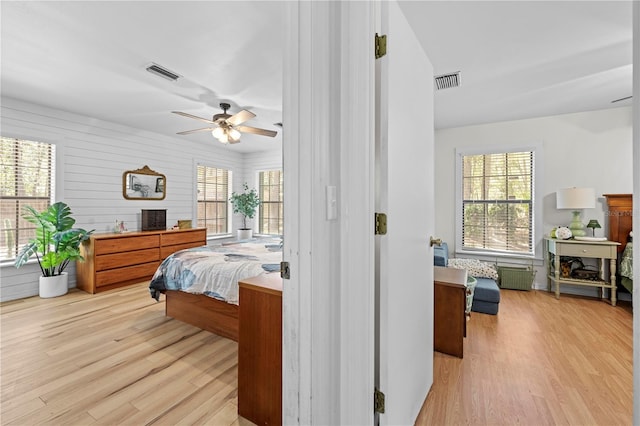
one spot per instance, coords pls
(146, 171)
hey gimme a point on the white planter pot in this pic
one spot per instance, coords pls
(245, 234)
(54, 286)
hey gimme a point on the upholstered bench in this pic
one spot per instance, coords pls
(486, 296)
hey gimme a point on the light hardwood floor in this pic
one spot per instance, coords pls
(114, 358)
(540, 361)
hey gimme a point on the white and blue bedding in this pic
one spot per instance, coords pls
(626, 267)
(215, 271)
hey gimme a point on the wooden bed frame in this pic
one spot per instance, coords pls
(203, 312)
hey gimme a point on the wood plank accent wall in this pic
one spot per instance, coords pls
(91, 155)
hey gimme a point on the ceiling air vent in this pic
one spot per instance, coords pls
(446, 81)
(162, 72)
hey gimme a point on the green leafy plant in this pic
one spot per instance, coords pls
(245, 203)
(56, 242)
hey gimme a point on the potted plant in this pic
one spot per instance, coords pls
(246, 204)
(56, 244)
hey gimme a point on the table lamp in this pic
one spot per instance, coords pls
(576, 199)
(593, 224)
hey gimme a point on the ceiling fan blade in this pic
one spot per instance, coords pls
(240, 117)
(256, 131)
(206, 120)
(186, 132)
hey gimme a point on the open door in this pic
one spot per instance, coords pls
(405, 193)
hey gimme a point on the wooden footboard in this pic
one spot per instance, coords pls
(203, 312)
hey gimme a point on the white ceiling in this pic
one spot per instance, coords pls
(522, 59)
(518, 59)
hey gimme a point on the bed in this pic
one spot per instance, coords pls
(626, 266)
(201, 284)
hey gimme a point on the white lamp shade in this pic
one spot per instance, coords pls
(576, 198)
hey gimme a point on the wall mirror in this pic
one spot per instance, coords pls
(143, 184)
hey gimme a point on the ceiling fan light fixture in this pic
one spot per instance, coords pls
(224, 138)
(234, 135)
(218, 132)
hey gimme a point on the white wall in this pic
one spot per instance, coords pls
(589, 149)
(91, 157)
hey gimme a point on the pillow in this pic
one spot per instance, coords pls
(475, 267)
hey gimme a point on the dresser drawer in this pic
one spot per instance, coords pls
(174, 238)
(586, 250)
(128, 273)
(126, 244)
(117, 260)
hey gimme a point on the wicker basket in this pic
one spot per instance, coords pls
(516, 278)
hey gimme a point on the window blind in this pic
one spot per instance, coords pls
(213, 199)
(497, 205)
(26, 178)
(272, 202)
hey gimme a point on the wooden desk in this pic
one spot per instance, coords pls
(449, 304)
(600, 250)
(260, 349)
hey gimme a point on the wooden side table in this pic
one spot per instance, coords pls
(600, 250)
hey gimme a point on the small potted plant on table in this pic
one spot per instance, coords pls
(246, 204)
(56, 244)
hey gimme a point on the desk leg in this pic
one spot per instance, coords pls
(612, 269)
(556, 273)
(601, 276)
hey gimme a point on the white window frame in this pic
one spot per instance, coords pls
(261, 203)
(536, 201)
(229, 190)
(53, 181)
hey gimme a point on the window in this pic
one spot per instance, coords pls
(272, 206)
(26, 178)
(213, 199)
(497, 202)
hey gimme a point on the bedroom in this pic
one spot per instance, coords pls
(115, 147)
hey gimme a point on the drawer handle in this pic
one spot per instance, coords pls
(584, 251)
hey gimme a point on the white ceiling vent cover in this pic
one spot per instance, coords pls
(446, 81)
(162, 72)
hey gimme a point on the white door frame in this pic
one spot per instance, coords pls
(327, 141)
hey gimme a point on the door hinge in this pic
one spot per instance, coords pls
(381, 224)
(285, 272)
(378, 401)
(380, 45)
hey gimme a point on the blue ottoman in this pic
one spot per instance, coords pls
(486, 296)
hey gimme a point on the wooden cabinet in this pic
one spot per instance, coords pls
(260, 350)
(116, 260)
(619, 214)
(449, 306)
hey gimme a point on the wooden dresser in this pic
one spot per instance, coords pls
(116, 260)
(260, 350)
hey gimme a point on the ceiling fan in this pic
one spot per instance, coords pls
(227, 128)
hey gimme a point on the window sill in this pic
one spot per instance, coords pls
(497, 257)
(219, 236)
